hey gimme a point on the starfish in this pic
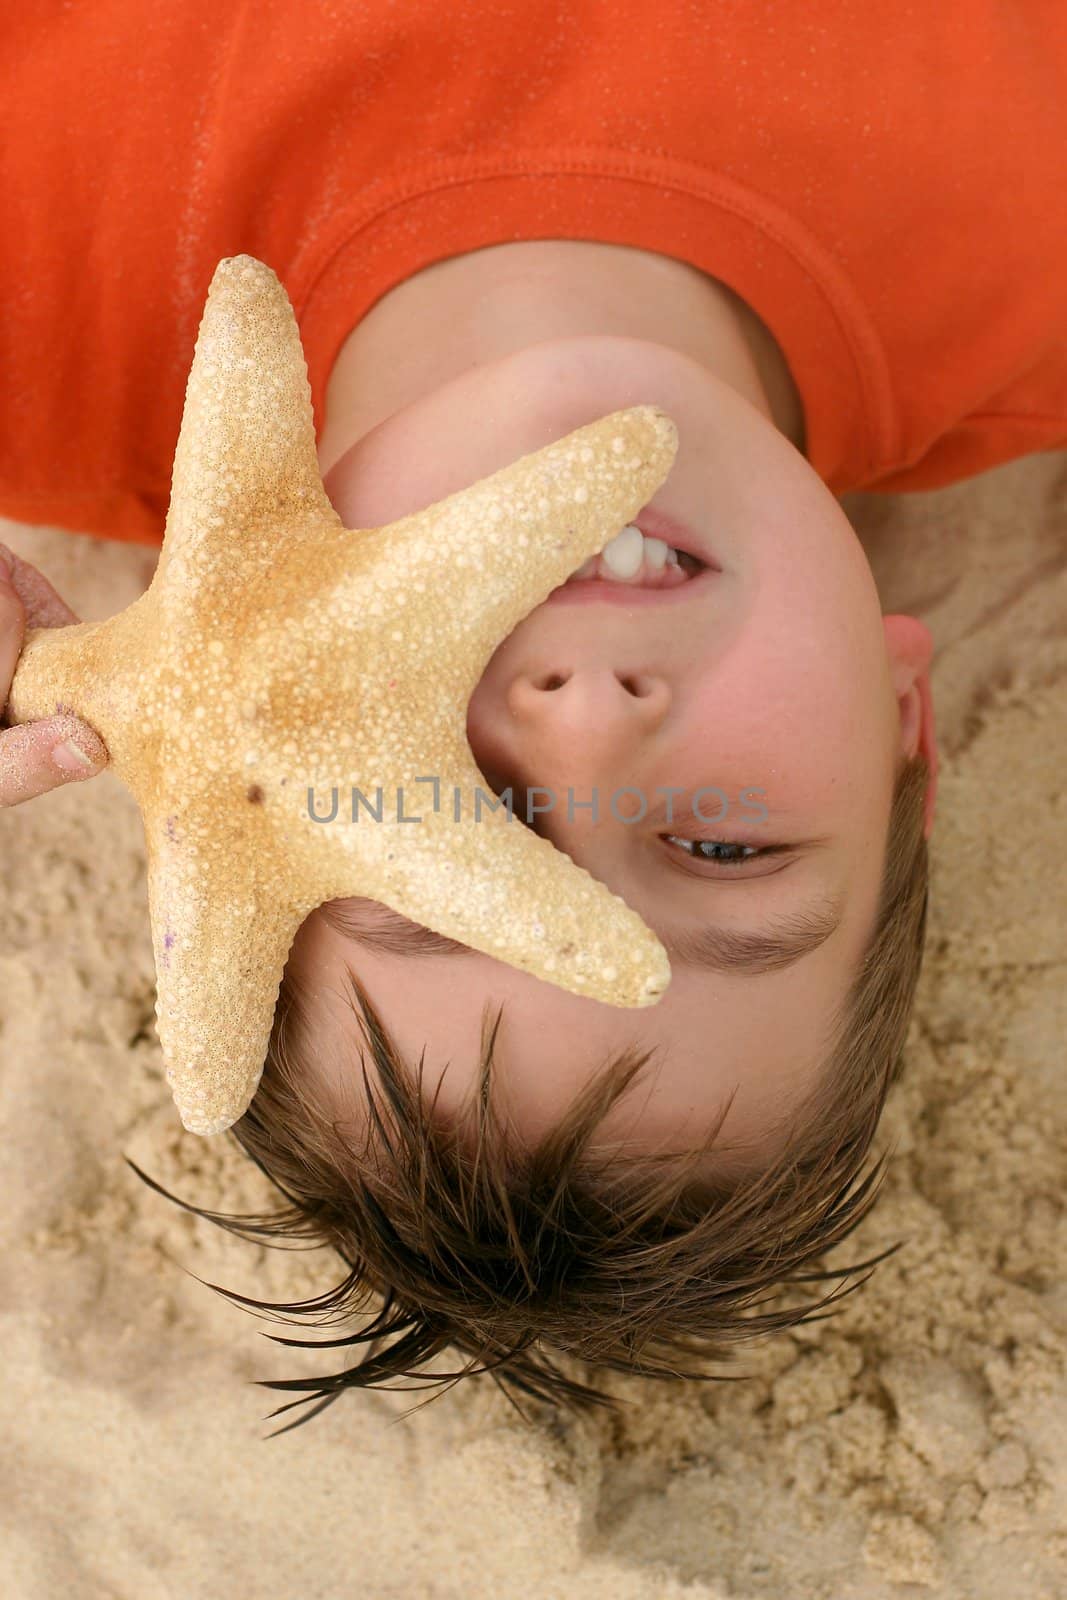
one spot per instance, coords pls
(277, 656)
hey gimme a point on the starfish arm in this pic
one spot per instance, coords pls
(246, 457)
(494, 885)
(220, 942)
(98, 671)
(456, 578)
(50, 672)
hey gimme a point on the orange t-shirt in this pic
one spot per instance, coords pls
(885, 187)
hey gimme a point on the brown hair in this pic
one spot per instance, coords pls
(629, 1264)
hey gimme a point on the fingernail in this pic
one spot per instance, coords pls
(70, 758)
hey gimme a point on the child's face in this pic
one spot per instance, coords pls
(779, 674)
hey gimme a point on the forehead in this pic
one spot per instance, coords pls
(762, 1040)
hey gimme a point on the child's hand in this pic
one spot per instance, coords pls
(35, 756)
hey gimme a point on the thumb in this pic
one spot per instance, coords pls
(74, 746)
(38, 756)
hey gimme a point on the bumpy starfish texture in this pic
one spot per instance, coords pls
(278, 656)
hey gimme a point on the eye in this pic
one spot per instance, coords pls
(727, 853)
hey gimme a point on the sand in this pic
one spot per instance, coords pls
(915, 1444)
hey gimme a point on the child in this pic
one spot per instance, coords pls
(729, 259)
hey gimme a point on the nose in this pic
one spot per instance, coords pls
(581, 728)
(587, 700)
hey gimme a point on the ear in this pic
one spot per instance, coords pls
(910, 647)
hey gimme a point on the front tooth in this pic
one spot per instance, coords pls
(586, 569)
(656, 552)
(625, 553)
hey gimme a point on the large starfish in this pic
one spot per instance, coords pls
(277, 655)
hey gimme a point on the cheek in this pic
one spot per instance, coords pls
(485, 733)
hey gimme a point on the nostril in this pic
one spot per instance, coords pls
(638, 687)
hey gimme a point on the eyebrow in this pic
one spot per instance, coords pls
(769, 946)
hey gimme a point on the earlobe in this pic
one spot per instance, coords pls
(910, 647)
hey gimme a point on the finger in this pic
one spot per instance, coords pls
(38, 756)
(27, 599)
(43, 607)
(12, 627)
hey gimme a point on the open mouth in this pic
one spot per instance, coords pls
(645, 564)
(652, 552)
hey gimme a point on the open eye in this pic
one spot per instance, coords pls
(729, 854)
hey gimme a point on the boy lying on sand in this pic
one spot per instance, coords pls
(726, 651)
(785, 237)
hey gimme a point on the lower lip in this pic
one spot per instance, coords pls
(590, 591)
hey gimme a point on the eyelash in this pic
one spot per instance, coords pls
(756, 852)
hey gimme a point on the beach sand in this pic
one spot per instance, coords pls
(914, 1444)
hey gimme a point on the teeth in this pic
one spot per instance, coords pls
(656, 553)
(630, 557)
(625, 553)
